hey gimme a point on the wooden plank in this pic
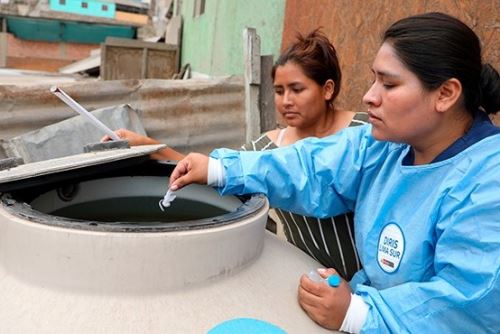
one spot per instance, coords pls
(173, 31)
(144, 63)
(133, 43)
(3, 48)
(266, 95)
(252, 80)
(118, 63)
(104, 64)
(173, 36)
(132, 59)
(252, 55)
(161, 64)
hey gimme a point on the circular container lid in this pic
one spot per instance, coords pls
(41, 172)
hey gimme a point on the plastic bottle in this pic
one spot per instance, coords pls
(332, 280)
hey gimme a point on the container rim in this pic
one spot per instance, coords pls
(251, 206)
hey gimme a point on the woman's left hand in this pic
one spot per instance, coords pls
(324, 304)
(133, 138)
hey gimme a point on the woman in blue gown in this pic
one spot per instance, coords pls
(423, 180)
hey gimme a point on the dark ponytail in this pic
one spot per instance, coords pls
(317, 58)
(490, 89)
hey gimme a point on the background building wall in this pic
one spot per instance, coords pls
(355, 27)
(212, 42)
(39, 55)
(85, 7)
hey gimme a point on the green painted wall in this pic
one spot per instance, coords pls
(213, 42)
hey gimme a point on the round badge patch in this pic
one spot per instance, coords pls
(391, 246)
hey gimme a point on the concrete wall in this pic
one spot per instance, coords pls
(355, 28)
(212, 42)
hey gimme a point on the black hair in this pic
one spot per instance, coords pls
(490, 89)
(437, 47)
(317, 57)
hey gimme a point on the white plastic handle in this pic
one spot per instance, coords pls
(82, 111)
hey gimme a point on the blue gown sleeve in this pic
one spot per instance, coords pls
(463, 296)
(313, 177)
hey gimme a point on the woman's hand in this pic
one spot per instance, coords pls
(192, 169)
(324, 304)
(133, 138)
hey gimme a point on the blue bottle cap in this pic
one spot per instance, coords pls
(334, 280)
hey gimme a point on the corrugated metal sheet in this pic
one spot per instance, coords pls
(70, 136)
(189, 115)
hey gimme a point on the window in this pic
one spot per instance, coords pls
(85, 5)
(62, 2)
(105, 8)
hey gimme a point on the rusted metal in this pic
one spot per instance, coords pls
(188, 115)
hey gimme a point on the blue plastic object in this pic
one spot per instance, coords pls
(246, 326)
(333, 280)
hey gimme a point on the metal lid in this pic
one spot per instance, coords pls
(36, 173)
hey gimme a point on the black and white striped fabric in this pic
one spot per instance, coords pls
(330, 241)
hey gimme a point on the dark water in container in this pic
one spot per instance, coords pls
(138, 209)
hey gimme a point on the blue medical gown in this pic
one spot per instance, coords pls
(428, 235)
